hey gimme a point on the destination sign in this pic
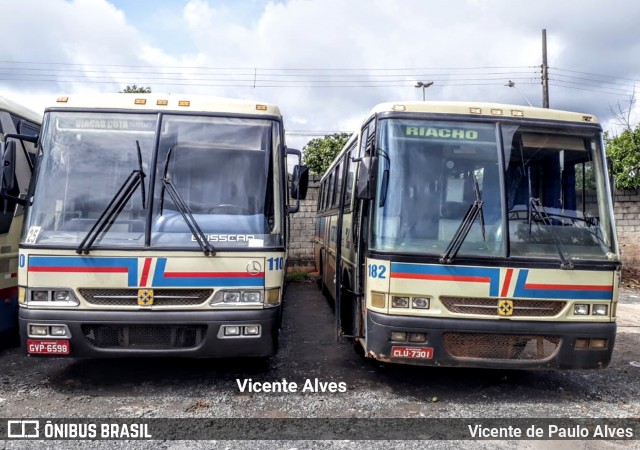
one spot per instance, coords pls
(119, 124)
(442, 133)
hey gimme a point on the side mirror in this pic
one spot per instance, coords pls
(9, 166)
(299, 182)
(366, 183)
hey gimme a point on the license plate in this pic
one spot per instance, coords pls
(48, 347)
(412, 352)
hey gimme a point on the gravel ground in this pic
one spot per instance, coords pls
(175, 388)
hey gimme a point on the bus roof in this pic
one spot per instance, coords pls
(20, 110)
(482, 109)
(165, 102)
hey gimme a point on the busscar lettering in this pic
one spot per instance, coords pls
(444, 133)
(227, 237)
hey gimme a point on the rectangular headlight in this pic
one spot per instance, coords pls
(251, 297)
(60, 296)
(231, 330)
(251, 330)
(399, 302)
(58, 330)
(231, 296)
(600, 310)
(420, 303)
(399, 336)
(38, 330)
(40, 296)
(580, 310)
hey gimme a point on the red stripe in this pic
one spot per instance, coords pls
(79, 269)
(568, 287)
(14, 274)
(145, 272)
(507, 281)
(422, 276)
(211, 275)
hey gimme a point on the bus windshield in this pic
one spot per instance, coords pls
(221, 167)
(550, 194)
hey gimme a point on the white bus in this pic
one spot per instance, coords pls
(14, 119)
(470, 234)
(156, 225)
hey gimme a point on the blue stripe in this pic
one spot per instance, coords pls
(159, 279)
(425, 269)
(88, 261)
(573, 294)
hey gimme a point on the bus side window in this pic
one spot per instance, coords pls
(351, 174)
(330, 185)
(338, 185)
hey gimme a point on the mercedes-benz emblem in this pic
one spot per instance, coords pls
(254, 268)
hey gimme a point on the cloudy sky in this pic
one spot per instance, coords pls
(325, 62)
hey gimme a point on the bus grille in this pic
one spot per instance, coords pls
(500, 346)
(156, 337)
(161, 297)
(489, 306)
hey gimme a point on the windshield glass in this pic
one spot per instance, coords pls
(433, 167)
(556, 194)
(553, 195)
(222, 168)
(86, 157)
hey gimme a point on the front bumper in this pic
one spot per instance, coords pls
(493, 344)
(154, 333)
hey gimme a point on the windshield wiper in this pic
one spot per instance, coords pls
(167, 185)
(115, 206)
(461, 233)
(535, 205)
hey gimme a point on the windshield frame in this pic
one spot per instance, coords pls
(551, 260)
(275, 154)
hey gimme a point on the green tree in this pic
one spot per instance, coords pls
(320, 152)
(135, 89)
(624, 151)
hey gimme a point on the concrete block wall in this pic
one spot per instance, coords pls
(627, 212)
(302, 230)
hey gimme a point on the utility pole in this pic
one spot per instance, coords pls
(545, 71)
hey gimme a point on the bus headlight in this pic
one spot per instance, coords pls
(399, 302)
(420, 303)
(51, 297)
(252, 297)
(237, 298)
(600, 310)
(580, 310)
(231, 296)
(60, 296)
(39, 296)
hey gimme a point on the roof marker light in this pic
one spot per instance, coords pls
(399, 108)
(140, 101)
(261, 107)
(184, 103)
(496, 112)
(62, 99)
(517, 113)
(162, 102)
(475, 110)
